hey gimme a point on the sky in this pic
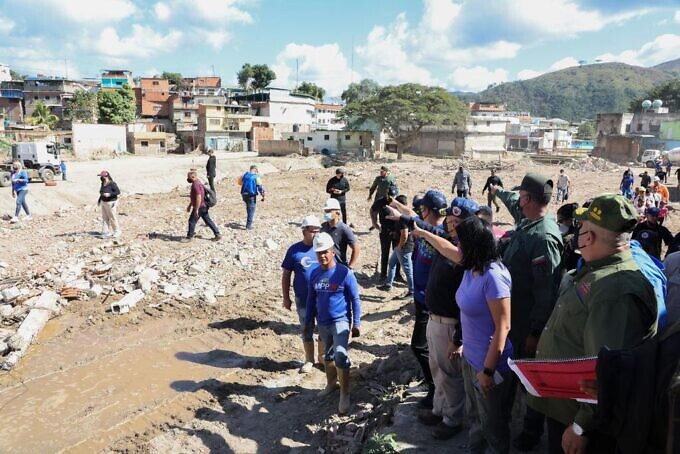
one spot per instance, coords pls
(458, 44)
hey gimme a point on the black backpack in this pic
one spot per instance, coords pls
(639, 394)
(210, 197)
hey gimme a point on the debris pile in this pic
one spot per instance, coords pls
(593, 164)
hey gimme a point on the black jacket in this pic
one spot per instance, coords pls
(492, 180)
(341, 184)
(112, 189)
(211, 166)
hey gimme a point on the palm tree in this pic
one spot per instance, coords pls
(42, 115)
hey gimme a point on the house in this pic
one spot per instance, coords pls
(224, 127)
(617, 123)
(11, 100)
(649, 122)
(91, 139)
(326, 117)
(283, 110)
(323, 142)
(438, 141)
(482, 108)
(485, 135)
(153, 97)
(549, 139)
(205, 85)
(5, 74)
(53, 92)
(113, 79)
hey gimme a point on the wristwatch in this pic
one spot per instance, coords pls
(578, 430)
(488, 372)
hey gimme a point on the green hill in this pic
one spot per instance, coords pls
(672, 67)
(576, 93)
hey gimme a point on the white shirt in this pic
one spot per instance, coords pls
(563, 181)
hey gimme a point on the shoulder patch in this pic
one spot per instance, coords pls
(538, 261)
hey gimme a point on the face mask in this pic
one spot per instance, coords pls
(327, 217)
(189, 180)
(564, 229)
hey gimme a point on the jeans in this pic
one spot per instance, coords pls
(21, 203)
(627, 193)
(449, 394)
(405, 259)
(250, 201)
(301, 307)
(63, 176)
(489, 416)
(419, 342)
(562, 194)
(335, 338)
(203, 214)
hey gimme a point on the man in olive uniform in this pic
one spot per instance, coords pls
(532, 255)
(605, 301)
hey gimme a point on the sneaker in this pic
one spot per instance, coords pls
(185, 240)
(217, 238)
(444, 432)
(306, 368)
(28, 218)
(525, 442)
(116, 234)
(428, 418)
(14, 220)
(384, 287)
(106, 235)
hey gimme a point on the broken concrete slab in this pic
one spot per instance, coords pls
(10, 294)
(127, 302)
(147, 278)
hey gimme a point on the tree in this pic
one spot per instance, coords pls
(117, 107)
(359, 91)
(173, 78)
(668, 92)
(245, 75)
(15, 75)
(42, 115)
(403, 110)
(311, 89)
(256, 77)
(82, 107)
(586, 130)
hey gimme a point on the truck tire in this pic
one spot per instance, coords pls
(649, 164)
(5, 179)
(46, 174)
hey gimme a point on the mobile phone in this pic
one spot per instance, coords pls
(497, 379)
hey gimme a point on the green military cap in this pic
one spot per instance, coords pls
(612, 212)
(536, 185)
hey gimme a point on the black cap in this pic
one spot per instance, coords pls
(537, 185)
(384, 169)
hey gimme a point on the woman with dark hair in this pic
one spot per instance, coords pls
(108, 201)
(484, 300)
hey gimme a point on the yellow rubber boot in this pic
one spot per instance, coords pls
(343, 404)
(331, 379)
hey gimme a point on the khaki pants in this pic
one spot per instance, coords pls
(109, 217)
(449, 394)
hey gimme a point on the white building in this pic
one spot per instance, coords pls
(89, 139)
(283, 110)
(486, 135)
(325, 142)
(326, 117)
(4, 73)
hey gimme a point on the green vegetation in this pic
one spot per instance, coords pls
(578, 92)
(117, 107)
(586, 130)
(173, 78)
(311, 89)
(672, 67)
(42, 115)
(82, 107)
(668, 92)
(359, 91)
(16, 76)
(256, 77)
(381, 444)
(403, 110)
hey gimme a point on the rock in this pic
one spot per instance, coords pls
(30, 328)
(209, 298)
(10, 294)
(80, 284)
(196, 268)
(4, 347)
(187, 292)
(47, 300)
(6, 310)
(106, 259)
(95, 291)
(147, 278)
(271, 244)
(243, 258)
(221, 291)
(169, 289)
(4, 265)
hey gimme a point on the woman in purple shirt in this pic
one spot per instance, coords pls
(484, 300)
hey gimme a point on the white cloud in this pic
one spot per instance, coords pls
(216, 38)
(676, 18)
(86, 11)
(162, 11)
(528, 74)
(6, 25)
(440, 14)
(152, 72)
(323, 65)
(477, 78)
(217, 10)
(142, 42)
(663, 48)
(566, 62)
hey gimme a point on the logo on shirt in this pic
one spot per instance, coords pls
(306, 262)
(324, 285)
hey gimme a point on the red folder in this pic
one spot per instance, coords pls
(557, 379)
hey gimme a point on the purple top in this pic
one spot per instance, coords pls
(475, 316)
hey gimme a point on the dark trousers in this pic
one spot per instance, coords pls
(464, 193)
(211, 181)
(534, 421)
(491, 198)
(598, 443)
(419, 343)
(343, 211)
(202, 214)
(250, 201)
(386, 243)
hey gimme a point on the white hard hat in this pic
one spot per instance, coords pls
(323, 242)
(310, 221)
(332, 204)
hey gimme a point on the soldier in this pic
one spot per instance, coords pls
(533, 255)
(607, 301)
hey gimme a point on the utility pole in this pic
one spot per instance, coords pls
(351, 74)
(66, 67)
(297, 72)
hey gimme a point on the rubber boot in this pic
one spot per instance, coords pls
(309, 357)
(343, 404)
(320, 352)
(331, 379)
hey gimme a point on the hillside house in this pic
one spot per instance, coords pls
(153, 97)
(114, 79)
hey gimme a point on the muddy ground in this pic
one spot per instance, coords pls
(183, 375)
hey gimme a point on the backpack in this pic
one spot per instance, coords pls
(639, 393)
(210, 197)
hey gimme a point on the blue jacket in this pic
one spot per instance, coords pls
(19, 181)
(251, 184)
(333, 295)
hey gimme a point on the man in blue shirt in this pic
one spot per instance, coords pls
(333, 298)
(251, 186)
(300, 260)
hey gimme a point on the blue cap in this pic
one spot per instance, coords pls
(434, 200)
(393, 191)
(462, 207)
(653, 211)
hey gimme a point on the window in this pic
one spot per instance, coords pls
(347, 137)
(218, 108)
(155, 82)
(488, 123)
(162, 143)
(627, 129)
(47, 98)
(309, 139)
(187, 114)
(654, 128)
(144, 143)
(35, 97)
(67, 140)
(156, 108)
(639, 126)
(214, 121)
(326, 137)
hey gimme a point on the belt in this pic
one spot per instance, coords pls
(443, 320)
